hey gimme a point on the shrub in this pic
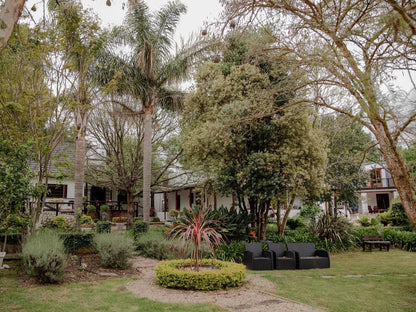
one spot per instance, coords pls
(364, 221)
(44, 257)
(386, 218)
(397, 212)
(173, 213)
(103, 227)
(154, 245)
(140, 227)
(119, 219)
(59, 222)
(138, 219)
(87, 221)
(104, 212)
(75, 241)
(331, 228)
(294, 223)
(233, 251)
(114, 249)
(310, 211)
(404, 240)
(168, 274)
(91, 209)
(234, 225)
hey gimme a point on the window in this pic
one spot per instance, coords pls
(57, 190)
(375, 178)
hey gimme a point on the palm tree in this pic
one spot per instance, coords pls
(149, 69)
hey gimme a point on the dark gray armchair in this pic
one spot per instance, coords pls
(257, 259)
(307, 257)
(282, 259)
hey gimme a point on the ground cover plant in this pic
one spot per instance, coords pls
(356, 281)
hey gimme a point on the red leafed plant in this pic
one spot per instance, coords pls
(197, 227)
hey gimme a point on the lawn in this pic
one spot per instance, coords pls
(109, 295)
(356, 281)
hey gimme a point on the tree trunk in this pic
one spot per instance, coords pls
(81, 122)
(130, 210)
(9, 16)
(286, 216)
(398, 169)
(147, 161)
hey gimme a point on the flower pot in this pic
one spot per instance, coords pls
(2, 255)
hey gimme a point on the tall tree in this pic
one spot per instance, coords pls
(80, 41)
(116, 158)
(260, 159)
(347, 49)
(348, 147)
(149, 69)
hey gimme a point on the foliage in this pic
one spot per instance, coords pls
(364, 220)
(196, 228)
(119, 219)
(103, 227)
(87, 221)
(104, 212)
(231, 251)
(44, 257)
(331, 228)
(140, 227)
(402, 239)
(310, 211)
(398, 214)
(233, 224)
(59, 222)
(170, 274)
(91, 209)
(155, 245)
(294, 223)
(173, 213)
(114, 249)
(348, 145)
(155, 219)
(77, 240)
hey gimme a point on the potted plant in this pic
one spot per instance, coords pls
(104, 210)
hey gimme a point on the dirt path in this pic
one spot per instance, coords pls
(255, 295)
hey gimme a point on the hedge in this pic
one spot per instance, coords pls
(75, 241)
(229, 274)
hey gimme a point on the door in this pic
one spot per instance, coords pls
(383, 202)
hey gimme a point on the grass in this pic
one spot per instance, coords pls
(109, 295)
(388, 290)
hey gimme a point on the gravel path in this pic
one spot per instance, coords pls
(255, 295)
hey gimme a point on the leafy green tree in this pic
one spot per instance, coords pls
(260, 159)
(149, 70)
(348, 147)
(15, 180)
(344, 51)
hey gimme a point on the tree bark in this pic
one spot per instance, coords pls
(130, 210)
(398, 169)
(9, 16)
(286, 216)
(81, 121)
(147, 161)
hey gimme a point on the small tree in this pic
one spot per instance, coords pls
(15, 186)
(197, 228)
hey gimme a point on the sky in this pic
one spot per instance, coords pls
(198, 12)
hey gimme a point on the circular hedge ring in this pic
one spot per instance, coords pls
(225, 274)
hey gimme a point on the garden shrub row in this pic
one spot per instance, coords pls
(229, 274)
(44, 257)
(114, 249)
(154, 244)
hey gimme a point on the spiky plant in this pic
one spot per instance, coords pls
(196, 228)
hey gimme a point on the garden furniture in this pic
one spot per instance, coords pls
(257, 259)
(282, 259)
(375, 240)
(307, 257)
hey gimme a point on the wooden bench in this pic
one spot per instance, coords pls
(376, 241)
